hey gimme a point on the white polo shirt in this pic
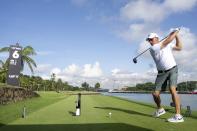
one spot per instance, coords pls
(163, 58)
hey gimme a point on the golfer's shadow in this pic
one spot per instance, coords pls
(72, 113)
(124, 110)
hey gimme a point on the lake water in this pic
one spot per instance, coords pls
(186, 99)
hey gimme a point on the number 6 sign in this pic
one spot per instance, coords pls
(14, 65)
(15, 54)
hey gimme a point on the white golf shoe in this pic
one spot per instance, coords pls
(176, 118)
(159, 112)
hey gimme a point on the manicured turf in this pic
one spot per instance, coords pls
(58, 115)
(13, 111)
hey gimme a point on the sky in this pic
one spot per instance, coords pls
(96, 40)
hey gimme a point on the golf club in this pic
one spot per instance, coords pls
(135, 58)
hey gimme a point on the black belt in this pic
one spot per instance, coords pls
(164, 71)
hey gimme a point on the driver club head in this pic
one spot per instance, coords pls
(135, 60)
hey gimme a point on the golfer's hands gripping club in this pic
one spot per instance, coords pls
(175, 29)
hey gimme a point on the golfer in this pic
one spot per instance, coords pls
(167, 70)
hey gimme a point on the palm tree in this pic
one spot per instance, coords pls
(53, 80)
(97, 86)
(3, 70)
(26, 54)
(1, 64)
(3, 67)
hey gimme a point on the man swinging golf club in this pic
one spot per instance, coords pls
(161, 52)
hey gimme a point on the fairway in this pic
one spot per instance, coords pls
(59, 115)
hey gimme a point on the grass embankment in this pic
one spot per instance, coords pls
(58, 115)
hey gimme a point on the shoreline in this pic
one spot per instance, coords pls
(149, 92)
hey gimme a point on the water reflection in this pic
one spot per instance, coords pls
(186, 99)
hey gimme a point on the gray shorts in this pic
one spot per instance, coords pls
(165, 78)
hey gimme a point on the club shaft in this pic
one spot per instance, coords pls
(142, 52)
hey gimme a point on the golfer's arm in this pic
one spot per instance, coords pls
(179, 44)
(169, 39)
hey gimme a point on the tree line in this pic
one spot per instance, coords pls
(53, 84)
(149, 86)
(37, 83)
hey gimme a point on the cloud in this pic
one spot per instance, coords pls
(127, 78)
(145, 16)
(186, 58)
(74, 74)
(72, 69)
(92, 70)
(88, 70)
(43, 68)
(115, 71)
(138, 77)
(153, 11)
(179, 6)
(146, 10)
(56, 71)
(137, 31)
(45, 77)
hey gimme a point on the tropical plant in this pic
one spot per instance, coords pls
(97, 86)
(3, 71)
(53, 81)
(59, 85)
(26, 54)
(1, 62)
(85, 85)
(3, 66)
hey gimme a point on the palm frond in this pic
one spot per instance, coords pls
(1, 62)
(22, 64)
(5, 49)
(29, 62)
(3, 71)
(30, 66)
(28, 50)
(4, 66)
(1, 65)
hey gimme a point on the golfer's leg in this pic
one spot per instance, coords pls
(176, 99)
(173, 85)
(156, 97)
(160, 80)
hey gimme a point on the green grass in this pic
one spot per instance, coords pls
(13, 111)
(58, 115)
